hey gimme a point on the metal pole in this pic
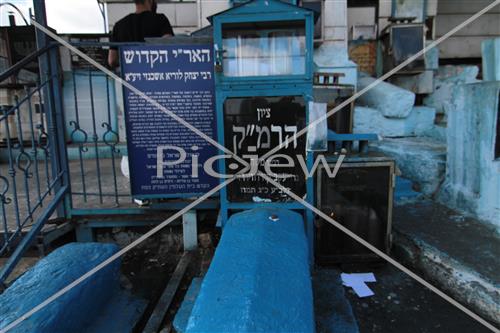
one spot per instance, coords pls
(51, 105)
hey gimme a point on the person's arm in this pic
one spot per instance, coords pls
(113, 58)
(166, 27)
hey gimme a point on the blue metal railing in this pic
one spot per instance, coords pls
(60, 149)
(93, 140)
(59, 145)
(32, 176)
(93, 116)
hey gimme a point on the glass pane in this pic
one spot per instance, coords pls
(264, 49)
(255, 125)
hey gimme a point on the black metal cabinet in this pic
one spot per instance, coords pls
(360, 197)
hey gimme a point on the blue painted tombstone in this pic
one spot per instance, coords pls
(259, 278)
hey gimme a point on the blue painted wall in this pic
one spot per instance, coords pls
(472, 169)
(490, 50)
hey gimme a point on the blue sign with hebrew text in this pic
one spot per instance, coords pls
(165, 157)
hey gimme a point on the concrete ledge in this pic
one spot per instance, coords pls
(459, 281)
(458, 254)
(259, 279)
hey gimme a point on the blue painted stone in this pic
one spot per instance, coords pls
(446, 82)
(418, 122)
(404, 193)
(422, 83)
(259, 279)
(122, 305)
(333, 310)
(420, 159)
(490, 49)
(437, 132)
(75, 309)
(431, 57)
(390, 100)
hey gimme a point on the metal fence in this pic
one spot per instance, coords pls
(60, 152)
(33, 177)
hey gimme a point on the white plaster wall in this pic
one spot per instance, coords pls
(211, 7)
(448, 14)
(332, 55)
(467, 42)
(335, 22)
(385, 11)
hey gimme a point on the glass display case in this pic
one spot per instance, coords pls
(263, 40)
(264, 49)
(263, 77)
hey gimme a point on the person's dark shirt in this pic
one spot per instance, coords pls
(137, 27)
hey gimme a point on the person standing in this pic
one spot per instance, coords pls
(135, 27)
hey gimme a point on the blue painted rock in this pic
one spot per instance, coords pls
(77, 307)
(418, 122)
(390, 100)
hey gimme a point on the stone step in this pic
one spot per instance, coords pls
(417, 123)
(420, 159)
(459, 254)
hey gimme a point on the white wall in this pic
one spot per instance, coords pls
(335, 21)
(450, 13)
(211, 7)
(466, 42)
(385, 11)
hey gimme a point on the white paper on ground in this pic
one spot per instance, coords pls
(357, 281)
